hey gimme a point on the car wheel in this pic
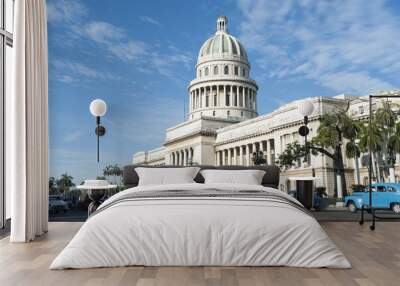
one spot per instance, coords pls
(396, 208)
(352, 207)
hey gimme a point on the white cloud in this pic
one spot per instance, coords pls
(60, 11)
(74, 136)
(103, 32)
(342, 45)
(150, 20)
(79, 70)
(116, 41)
(128, 51)
(66, 79)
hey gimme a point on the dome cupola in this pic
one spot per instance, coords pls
(222, 45)
(223, 88)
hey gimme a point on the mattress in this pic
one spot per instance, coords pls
(201, 225)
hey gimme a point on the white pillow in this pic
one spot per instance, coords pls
(166, 176)
(248, 177)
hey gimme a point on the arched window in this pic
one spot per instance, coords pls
(199, 73)
(215, 70)
(226, 70)
(206, 71)
(236, 70)
(243, 71)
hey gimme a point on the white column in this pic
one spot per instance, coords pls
(184, 158)
(237, 95)
(229, 156)
(200, 98)
(240, 155)
(244, 97)
(248, 156)
(223, 157)
(255, 100)
(196, 104)
(235, 161)
(224, 95)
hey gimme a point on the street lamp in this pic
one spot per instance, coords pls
(306, 108)
(98, 108)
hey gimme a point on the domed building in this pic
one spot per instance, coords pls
(223, 126)
(221, 94)
(223, 87)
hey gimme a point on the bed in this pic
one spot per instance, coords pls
(201, 224)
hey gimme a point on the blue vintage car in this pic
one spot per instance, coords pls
(384, 195)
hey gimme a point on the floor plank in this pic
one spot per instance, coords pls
(375, 257)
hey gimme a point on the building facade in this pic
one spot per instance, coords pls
(223, 126)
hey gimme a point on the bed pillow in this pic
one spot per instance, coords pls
(248, 177)
(166, 176)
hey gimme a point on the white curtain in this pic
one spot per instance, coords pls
(28, 123)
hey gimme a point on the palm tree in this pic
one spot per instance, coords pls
(52, 184)
(114, 171)
(384, 136)
(393, 149)
(334, 128)
(353, 151)
(65, 182)
(375, 138)
(107, 171)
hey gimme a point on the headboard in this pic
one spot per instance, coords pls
(270, 179)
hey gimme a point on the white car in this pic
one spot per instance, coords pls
(56, 204)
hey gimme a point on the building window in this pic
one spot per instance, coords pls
(236, 70)
(227, 99)
(241, 113)
(215, 70)
(226, 70)
(199, 73)
(215, 100)
(206, 71)
(242, 71)
(207, 101)
(6, 44)
(214, 113)
(228, 112)
(361, 109)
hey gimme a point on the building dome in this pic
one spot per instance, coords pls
(222, 45)
(222, 87)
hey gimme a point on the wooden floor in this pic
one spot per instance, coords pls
(375, 257)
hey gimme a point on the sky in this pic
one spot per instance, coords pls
(139, 57)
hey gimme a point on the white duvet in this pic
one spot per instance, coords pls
(200, 231)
